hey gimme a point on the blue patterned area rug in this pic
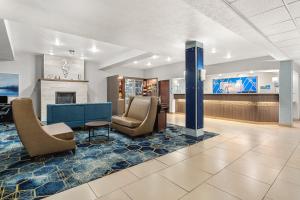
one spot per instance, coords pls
(23, 178)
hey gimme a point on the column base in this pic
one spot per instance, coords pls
(194, 132)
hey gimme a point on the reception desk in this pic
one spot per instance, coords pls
(240, 107)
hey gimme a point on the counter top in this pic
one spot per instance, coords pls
(237, 97)
(238, 94)
(246, 94)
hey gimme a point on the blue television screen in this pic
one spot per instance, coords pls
(9, 84)
(235, 85)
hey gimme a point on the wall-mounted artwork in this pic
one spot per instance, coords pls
(9, 84)
(235, 85)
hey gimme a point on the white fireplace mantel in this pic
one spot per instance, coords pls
(50, 87)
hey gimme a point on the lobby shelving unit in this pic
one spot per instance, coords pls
(120, 89)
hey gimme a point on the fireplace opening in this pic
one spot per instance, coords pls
(65, 97)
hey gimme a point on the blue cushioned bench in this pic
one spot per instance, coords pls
(76, 115)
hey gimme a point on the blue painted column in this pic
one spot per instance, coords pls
(194, 78)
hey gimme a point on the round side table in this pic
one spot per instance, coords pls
(91, 126)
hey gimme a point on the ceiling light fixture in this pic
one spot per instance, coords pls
(213, 50)
(135, 62)
(94, 49)
(168, 59)
(155, 56)
(251, 72)
(51, 52)
(228, 56)
(220, 75)
(57, 42)
(82, 57)
(149, 64)
(72, 52)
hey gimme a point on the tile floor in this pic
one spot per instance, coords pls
(246, 161)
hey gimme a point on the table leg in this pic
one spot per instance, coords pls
(89, 135)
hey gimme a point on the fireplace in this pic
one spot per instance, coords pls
(65, 97)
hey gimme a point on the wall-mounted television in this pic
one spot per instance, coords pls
(9, 84)
(235, 85)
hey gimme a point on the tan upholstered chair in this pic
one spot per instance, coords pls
(38, 139)
(139, 117)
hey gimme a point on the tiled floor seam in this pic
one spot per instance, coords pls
(92, 190)
(138, 178)
(162, 162)
(248, 177)
(126, 193)
(223, 190)
(157, 172)
(231, 171)
(281, 171)
(208, 173)
(174, 183)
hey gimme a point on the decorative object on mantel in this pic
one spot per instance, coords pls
(61, 80)
(72, 52)
(50, 76)
(65, 67)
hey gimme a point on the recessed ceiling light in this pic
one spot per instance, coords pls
(149, 64)
(51, 52)
(168, 59)
(213, 50)
(228, 56)
(220, 75)
(135, 62)
(82, 57)
(251, 72)
(94, 49)
(155, 57)
(57, 42)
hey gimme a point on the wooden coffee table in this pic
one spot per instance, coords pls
(91, 126)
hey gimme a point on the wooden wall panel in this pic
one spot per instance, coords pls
(245, 107)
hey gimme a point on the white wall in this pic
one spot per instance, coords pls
(166, 72)
(97, 86)
(69, 68)
(29, 68)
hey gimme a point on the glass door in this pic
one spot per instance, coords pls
(133, 87)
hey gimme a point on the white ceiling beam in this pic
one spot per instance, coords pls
(6, 51)
(125, 61)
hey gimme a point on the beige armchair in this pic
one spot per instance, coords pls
(139, 117)
(38, 139)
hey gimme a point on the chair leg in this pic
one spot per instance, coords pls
(73, 151)
(34, 159)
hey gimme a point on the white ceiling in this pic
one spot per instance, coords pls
(124, 30)
(278, 20)
(37, 40)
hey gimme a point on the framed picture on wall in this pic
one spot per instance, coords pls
(235, 85)
(9, 84)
